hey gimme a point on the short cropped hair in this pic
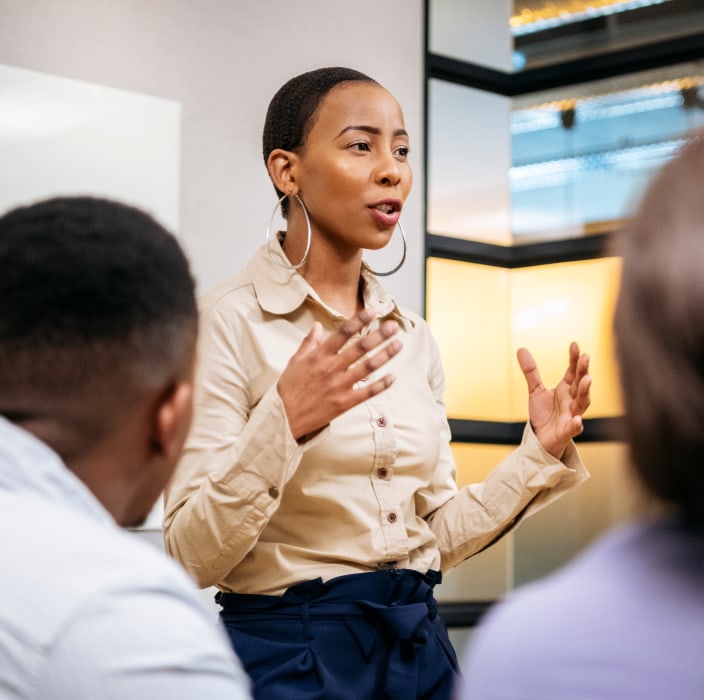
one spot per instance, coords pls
(291, 112)
(659, 329)
(90, 288)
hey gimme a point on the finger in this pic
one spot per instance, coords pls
(572, 363)
(574, 427)
(582, 399)
(366, 391)
(582, 366)
(348, 329)
(370, 363)
(312, 340)
(529, 369)
(580, 372)
(365, 345)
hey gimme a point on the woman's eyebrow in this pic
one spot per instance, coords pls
(370, 130)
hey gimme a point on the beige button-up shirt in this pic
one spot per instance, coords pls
(250, 510)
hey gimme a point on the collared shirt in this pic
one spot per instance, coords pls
(251, 510)
(87, 610)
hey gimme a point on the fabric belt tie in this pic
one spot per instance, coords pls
(399, 600)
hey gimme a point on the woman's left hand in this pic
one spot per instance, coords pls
(556, 414)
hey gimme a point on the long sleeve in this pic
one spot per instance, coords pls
(251, 511)
(238, 458)
(468, 520)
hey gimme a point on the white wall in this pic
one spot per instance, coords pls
(223, 60)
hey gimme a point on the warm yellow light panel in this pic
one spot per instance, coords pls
(474, 461)
(551, 305)
(489, 574)
(480, 315)
(467, 309)
(548, 539)
(553, 536)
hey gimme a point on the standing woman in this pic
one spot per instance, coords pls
(317, 490)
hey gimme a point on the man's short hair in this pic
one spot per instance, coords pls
(91, 289)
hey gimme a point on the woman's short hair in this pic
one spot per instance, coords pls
(291, 111)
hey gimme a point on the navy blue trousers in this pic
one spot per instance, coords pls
(371, 636)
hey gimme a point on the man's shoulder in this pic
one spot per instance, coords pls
(55, 559)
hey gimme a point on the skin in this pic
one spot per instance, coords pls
(355, 156)
(136, 438)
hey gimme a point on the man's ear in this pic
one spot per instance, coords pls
(172, 421)
(281, 165)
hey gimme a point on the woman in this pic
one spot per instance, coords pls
(318, 493)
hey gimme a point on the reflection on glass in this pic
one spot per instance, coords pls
(469, 160)
(475, 31)
(576, 163)
(582, 157)
(517, 35)
(549, 31)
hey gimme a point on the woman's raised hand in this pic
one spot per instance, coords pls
(325, 378)
(556, 414)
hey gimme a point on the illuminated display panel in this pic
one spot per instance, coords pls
(551, 537)
(468, 311)
(480, 315)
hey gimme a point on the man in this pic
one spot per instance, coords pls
(98, 326)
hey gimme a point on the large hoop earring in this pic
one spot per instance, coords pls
(399, 266)
(288, 266)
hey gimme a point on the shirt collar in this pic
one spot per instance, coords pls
(27, 465)
(281, 290)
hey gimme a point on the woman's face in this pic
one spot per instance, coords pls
(353, 170)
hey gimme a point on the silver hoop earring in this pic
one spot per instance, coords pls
(400, 265)
(310, 234)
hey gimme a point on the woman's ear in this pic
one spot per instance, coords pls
(282, 166)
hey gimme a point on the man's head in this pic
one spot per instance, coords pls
(98, 325)
(659, 327)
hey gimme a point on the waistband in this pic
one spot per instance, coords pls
(376, 588)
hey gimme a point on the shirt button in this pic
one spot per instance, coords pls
(381, 422)
(273, 492)
(391, 517)
(383, 473)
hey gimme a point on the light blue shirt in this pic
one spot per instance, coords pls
(87, 610)
(623, 621)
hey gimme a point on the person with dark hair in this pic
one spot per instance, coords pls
(625, 618)
(318, 492)
(98, 326)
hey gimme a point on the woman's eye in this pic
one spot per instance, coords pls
(361, 146)
(403, 151)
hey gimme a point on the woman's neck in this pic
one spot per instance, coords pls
(333, 273)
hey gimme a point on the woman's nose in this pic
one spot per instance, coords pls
(388, 172)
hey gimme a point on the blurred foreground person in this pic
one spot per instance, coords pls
(626, 618)
(98, 327)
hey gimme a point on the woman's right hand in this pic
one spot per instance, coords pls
(319, 381)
